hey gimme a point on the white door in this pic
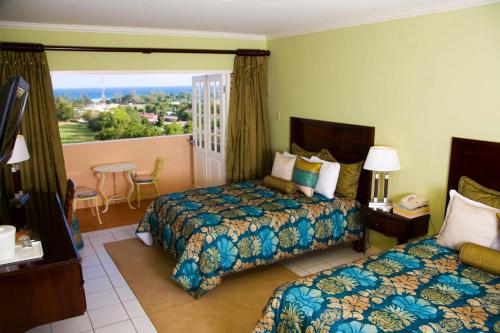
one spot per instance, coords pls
(210, 104)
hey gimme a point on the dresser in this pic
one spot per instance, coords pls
(51, 288)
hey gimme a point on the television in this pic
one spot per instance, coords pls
(13, 96)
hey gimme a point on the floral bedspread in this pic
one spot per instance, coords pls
(217, 230)
(417, 287)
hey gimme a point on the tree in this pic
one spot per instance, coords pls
(87, 115)
(173, 129)
(188, 129)
(161, 118)
(64, 109)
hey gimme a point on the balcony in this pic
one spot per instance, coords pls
(176, 175)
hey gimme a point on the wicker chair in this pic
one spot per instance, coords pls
(149, 179)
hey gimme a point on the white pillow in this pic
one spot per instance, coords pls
(328, 177)
(283, 166)
(468, 221)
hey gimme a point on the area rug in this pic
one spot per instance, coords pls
(233, 306)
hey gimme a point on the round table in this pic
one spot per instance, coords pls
(101, 170)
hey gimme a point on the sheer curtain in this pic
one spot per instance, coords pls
(44, 171)
(248, 145)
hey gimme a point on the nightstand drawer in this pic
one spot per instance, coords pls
(392, 225)
(376, 224)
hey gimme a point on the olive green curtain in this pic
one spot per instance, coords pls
(248, 145)
(44, 171)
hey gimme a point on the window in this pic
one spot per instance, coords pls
(107, 106)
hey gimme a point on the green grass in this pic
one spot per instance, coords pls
(75, 132)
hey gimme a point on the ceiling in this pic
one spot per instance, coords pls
(255, 18)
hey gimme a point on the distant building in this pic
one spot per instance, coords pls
(151, 117)
(171, 118)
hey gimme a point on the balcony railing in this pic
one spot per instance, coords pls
(176, 175)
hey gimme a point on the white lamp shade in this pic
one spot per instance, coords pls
(382, 158)
(20, 152)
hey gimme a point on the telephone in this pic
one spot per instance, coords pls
(413, 201)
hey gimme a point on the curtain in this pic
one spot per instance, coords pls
(248, 145)
(44, 171)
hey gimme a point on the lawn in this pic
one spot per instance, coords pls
(75, 132)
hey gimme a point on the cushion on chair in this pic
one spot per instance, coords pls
(143, 179)
(85, 192)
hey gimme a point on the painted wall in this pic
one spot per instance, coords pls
(419, 81)
(73, 61)
(176, 175)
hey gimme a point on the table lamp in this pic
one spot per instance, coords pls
(381, 160)
(19, 154)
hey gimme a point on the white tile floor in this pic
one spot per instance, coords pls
(112, 306)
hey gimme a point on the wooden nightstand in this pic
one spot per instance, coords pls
(393, 225)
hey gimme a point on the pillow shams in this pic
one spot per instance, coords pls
(305, 175)
(468, 221)
(475, 191)
(328, 177)
(283, 166)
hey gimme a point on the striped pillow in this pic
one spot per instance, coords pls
(305, 175)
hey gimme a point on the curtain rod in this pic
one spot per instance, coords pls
(29, 47)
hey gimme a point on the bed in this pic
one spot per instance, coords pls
(220, 230)
(416, 287)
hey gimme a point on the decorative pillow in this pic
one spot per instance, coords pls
(480, 257)
(328, 177)
(285, 186)
(305, 175)
(347, 185)
(477, 192)
(75, 232)
(283, 166)
(468, 221)
(297, 150)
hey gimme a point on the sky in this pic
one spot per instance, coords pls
(61, 80)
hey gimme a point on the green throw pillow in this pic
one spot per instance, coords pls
(477, 192)
(480, 257)
(281, 185)
(305, 175)
(347, 185)
(297, 150)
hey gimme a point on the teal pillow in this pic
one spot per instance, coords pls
(75, 232)
(305, 175)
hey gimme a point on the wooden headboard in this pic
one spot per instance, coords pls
(347, 143)
(478, 160)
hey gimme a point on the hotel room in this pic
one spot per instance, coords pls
(224, 166)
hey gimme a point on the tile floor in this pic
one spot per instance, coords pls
(112, 306)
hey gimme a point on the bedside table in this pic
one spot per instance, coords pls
(393, 225)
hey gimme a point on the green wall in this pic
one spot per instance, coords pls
(419, 81)
(77, 61)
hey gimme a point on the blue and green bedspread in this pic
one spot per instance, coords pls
(218, 230)
(417, 287)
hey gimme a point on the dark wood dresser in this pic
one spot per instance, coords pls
(51, 288)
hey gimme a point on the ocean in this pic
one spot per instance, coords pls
(95, 93)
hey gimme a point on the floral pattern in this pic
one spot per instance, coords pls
(409, 288)
(218, 230)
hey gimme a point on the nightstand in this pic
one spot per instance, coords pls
(393, 225)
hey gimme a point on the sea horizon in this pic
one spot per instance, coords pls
(110, 92)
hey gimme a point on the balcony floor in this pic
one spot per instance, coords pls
(117, 215)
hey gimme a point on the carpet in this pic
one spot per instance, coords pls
(233, 306)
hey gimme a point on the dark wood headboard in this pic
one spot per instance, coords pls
(347, 143)
(478, 160)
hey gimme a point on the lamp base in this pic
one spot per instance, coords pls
(385, 206)
(19, 200)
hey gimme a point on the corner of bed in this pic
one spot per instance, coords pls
(420, 286)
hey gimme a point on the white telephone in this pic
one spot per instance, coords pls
(413, 201)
